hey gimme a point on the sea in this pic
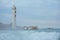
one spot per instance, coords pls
(41, 34)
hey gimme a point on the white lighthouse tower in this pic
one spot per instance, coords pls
(13, 17)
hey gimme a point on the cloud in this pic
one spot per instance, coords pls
(18, 3)
(53, 1)
(5, 18)
(5, 3)
(6, 15)
(42, 23)
(33, 12)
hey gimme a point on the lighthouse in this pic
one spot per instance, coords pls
(13, 17)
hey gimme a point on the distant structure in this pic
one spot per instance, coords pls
(25, 28)
(30, 28)
(13, 16)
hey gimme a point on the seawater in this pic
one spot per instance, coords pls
(29, 34)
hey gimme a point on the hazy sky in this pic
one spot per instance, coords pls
(43, 13)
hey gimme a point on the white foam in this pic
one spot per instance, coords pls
(28, 35)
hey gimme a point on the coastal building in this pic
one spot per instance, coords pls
(13, 16)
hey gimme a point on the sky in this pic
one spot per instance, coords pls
(42, 13)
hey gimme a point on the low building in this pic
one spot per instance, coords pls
(33, 27)
(30, 28)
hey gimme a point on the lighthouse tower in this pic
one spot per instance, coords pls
(13, 16)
